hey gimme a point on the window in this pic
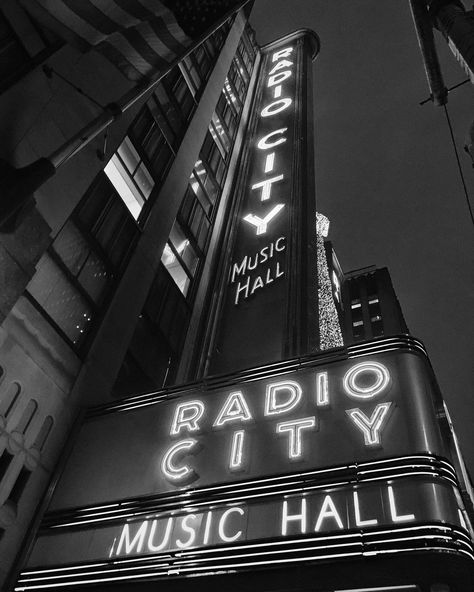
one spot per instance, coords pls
(130, 177)
(19, 487)
(5, 461)
(180, 258)
(70, 282)
(10, 399)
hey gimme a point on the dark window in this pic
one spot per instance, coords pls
(74, 276)
(5, 461)
(19, 487)
(13, 55)
(11, 398)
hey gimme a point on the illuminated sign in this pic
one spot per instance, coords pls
(274, 224)
(400, 502)
(317, 416)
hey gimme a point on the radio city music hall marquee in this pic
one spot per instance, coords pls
(295, 422)
(266, 202)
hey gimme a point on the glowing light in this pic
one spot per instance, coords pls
(294, 428)
(186, 416)
(330, 334)
(275, 407)
(358, 520)
(151, 546)
(280, 66)
(278, 77)
(277, 92)
(269, 160)
(137, 540)
(262, 223)
(188, 529)
(322, 392)
(266, 186)
(264, 144)
(382, 378)
(235, 408)
(328, 510)
(169, 469)
(207, 528)
(372, 427)
(301, 517)
(276, 107)
(236, 453)
(222, 534)
(393, 509)
(282, 53)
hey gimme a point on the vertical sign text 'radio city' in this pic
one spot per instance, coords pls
(262, 266)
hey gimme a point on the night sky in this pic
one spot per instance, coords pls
(386, 173)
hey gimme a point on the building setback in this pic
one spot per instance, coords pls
(309, 445)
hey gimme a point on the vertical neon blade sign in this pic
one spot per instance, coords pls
(264, 276)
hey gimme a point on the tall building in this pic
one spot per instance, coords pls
(186, 364)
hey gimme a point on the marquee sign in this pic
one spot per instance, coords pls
(339, 455)
(313, 417)
(265, 268)
(403, 502)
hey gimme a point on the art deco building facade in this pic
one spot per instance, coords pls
(186, 250)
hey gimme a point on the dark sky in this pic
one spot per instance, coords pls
(386, 173)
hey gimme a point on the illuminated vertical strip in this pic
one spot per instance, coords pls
(393, 509)
(322, 392)
(358, 520)
(207, 529)
(330, 334)
(236, 454)
(301, 518)
(269, 161)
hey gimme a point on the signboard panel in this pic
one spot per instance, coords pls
(404, 502)
(347, 411)
(274, 228)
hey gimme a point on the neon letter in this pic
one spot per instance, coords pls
(189, 529)
(237, 450)
(322, 394)
(186, 416)
(382, 378)
(273, 406)
(137, 540)
(223, 536)
(280, 66)
(372, 427)
(234, 409)
(359, 522)
(266, 186)
(164, 542)
(393, 509)
(294, 428)
(278, 77)
(239, 269)
(276, 107)
(264, 144)
(283, 53)
(169, 469)
(328, 510)
(293, 517)
(262, 223)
